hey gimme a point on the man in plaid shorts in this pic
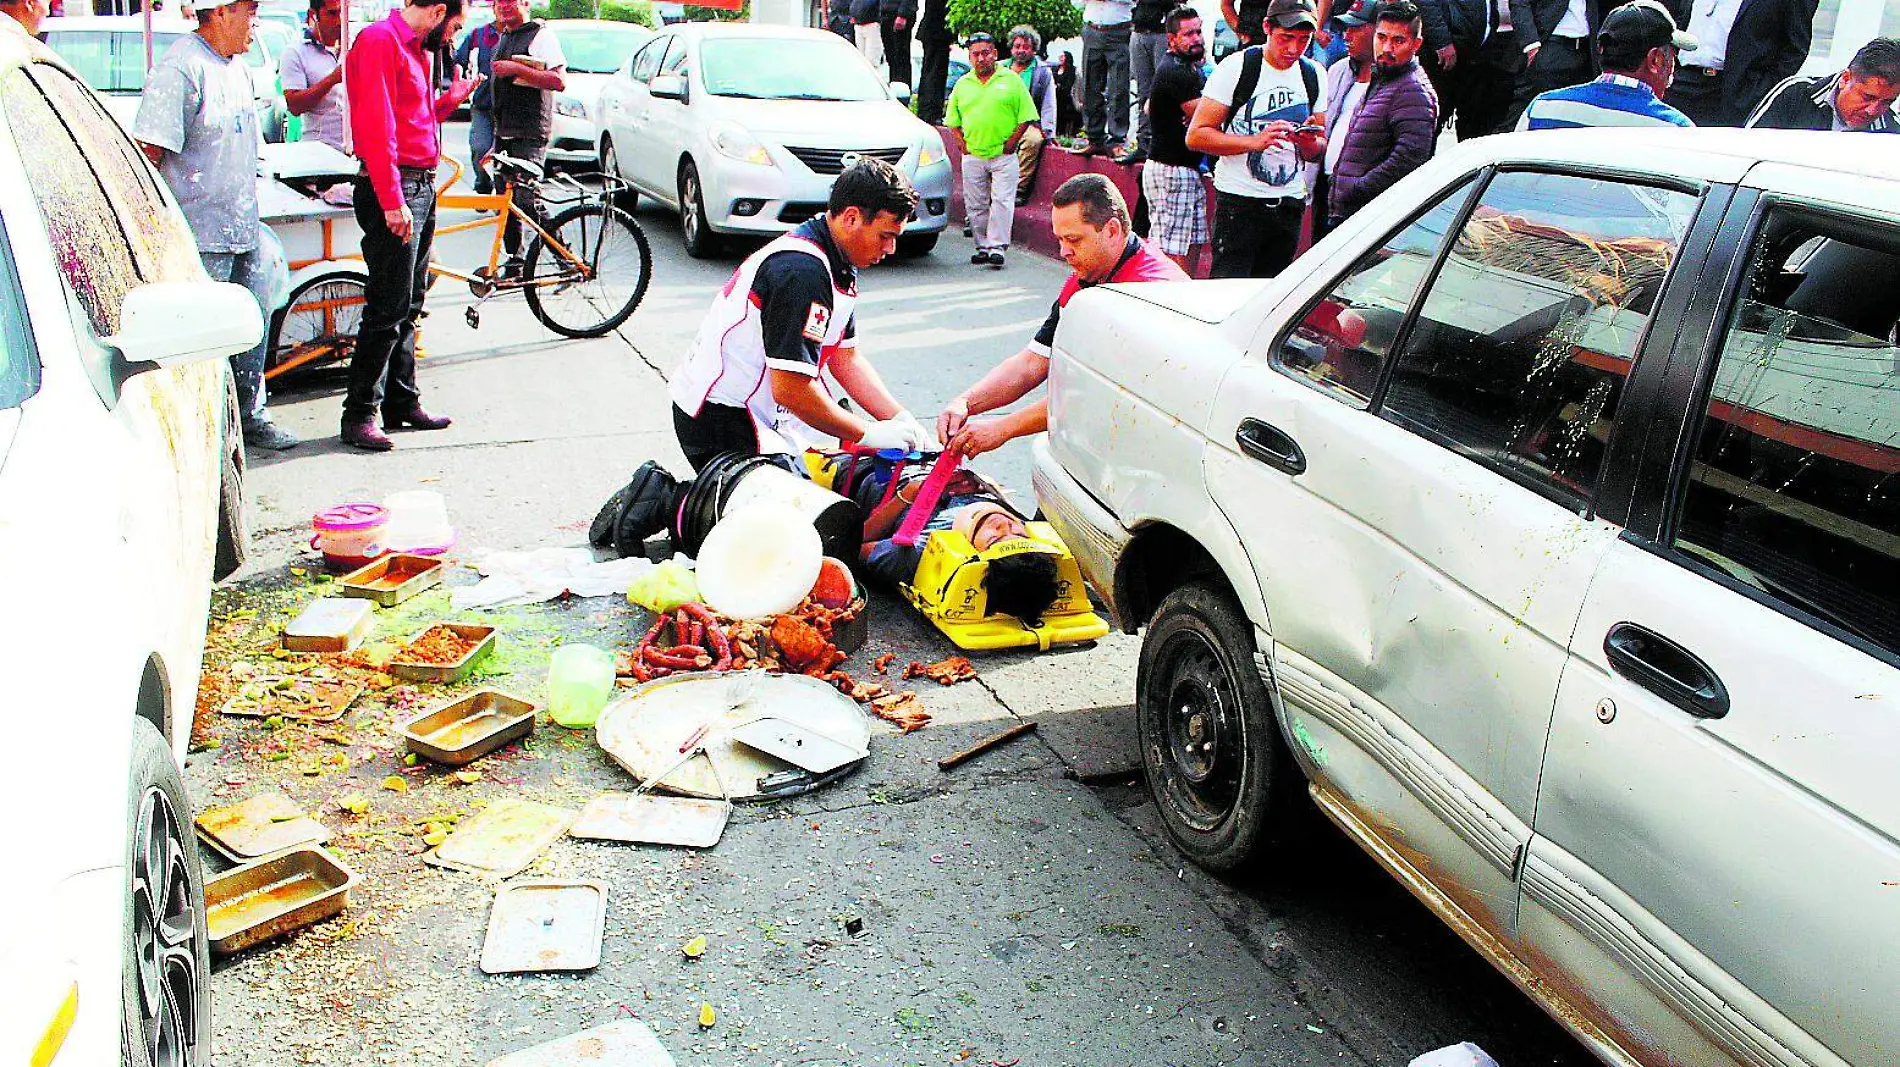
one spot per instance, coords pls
(1171, 179)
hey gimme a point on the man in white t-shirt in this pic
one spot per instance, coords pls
(1263, 114)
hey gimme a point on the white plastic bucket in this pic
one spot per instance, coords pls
(418, 522)
(759, 561)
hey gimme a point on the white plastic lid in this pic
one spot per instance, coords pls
(759, 560)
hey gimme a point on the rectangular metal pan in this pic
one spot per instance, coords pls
(468, 728)
(258, 901)
(447, 673)
(393, 579)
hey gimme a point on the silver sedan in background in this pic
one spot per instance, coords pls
(743, 128)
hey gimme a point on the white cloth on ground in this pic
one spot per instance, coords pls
(511, 578)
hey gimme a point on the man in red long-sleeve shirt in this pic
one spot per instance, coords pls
(394, 118)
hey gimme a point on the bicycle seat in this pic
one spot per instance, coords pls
(517, 167)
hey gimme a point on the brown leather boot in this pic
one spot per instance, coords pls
(416, 419)
(363, 434)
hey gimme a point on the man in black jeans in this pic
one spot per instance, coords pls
(394, 115)
(1263, 113)
(934, 77)
(894, 19)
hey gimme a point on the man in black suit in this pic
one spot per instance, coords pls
(1748, 47)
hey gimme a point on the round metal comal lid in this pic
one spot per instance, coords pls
(643, 730)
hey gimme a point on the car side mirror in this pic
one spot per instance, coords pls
(669, 87)
(901, 91)
(174, 324)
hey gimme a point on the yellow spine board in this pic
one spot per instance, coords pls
(948, 590)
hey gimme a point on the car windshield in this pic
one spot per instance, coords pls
(598, 49)
(111, 61)
(774, 68)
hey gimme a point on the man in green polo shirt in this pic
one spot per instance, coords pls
(989, 110)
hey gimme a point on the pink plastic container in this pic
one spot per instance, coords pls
(349, 533)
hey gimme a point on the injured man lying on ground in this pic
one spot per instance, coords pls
(1023, 584)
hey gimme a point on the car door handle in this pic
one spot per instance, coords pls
(1270, 445)
(1666, 669)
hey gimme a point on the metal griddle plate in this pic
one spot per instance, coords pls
(643, 730)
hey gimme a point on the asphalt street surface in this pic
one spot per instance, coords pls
(1025, 907)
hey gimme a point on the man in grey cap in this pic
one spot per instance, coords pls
(197, 121)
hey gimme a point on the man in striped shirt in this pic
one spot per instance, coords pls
(1638, 43)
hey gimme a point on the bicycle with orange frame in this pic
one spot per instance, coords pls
(584, 271)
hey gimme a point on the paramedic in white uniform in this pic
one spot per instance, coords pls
(751, 381)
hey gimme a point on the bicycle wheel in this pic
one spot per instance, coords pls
(320, 323)
(600, 285)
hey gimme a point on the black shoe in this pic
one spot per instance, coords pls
(363, 434)
(979, 258)
(995, 259)
(416, 419)
(967, 231)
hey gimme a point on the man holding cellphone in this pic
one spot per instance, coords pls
(1263, 114)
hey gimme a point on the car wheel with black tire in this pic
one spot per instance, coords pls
(233, 544)
(701, 242)
(1215, 763)
(165, 1016)
(627, 200)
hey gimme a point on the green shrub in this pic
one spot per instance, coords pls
(1052, 18)
(563, 9)
(639, 12)
(695, 13)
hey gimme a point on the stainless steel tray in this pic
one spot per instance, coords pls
(330, 624)
(393, 579)
(447, 673)
(269, 898)
(468, 728)
(259, 826)
(545, 926)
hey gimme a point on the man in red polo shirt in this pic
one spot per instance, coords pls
(394, 115)
(1090, 219)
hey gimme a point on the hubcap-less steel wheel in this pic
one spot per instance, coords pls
(1204, 732)
(164, 923)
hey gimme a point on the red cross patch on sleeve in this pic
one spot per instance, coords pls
(816, 322)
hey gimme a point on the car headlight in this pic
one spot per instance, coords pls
(735, 143)
(930, 154)
(570, 106)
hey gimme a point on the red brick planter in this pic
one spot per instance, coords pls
(1032, 219)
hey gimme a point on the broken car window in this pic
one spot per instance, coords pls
(1521, 348)
(1794, 488)
(1342, 342)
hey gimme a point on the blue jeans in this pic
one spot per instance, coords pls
(253, 271)
(481, 141)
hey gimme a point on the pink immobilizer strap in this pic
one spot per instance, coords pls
(925, 505)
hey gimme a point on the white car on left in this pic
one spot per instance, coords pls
(121, 498)
(108, 51)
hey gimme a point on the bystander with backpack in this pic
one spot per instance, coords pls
(1262, 114)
